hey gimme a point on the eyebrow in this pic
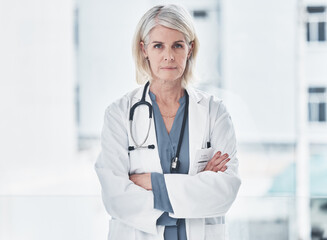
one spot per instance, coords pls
(174, 42)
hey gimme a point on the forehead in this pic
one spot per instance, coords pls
(164, 34)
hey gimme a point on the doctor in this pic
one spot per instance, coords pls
(168, 166)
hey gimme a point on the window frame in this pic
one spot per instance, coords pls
(316, 24)
(317, 104)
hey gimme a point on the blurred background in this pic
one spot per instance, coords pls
(63, 62)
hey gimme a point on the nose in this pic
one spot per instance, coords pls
(169, 55)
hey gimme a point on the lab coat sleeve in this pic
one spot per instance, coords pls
(208, 194)
(123, 199)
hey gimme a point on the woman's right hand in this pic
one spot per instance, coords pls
(217, 162)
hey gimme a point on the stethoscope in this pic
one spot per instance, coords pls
(131, 115)
(175, 160)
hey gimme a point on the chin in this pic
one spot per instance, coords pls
(170, 78)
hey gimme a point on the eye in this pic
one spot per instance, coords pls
(178, 45)
(159, 45)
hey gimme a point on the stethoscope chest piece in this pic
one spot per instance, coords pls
(174, 165)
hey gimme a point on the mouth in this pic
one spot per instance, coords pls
(168, 68)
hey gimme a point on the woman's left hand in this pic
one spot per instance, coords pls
(142, 180)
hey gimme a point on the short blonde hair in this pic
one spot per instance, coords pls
(172, 16)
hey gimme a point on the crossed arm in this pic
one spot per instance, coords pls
(118, 187)
(217, 163)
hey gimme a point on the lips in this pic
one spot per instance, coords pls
(169, 68)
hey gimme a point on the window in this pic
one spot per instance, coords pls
(200, 14)
(317, 104)
(316, 24)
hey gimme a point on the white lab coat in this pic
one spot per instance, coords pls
(201, 198)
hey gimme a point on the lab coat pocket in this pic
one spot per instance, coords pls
(202, 157)
(214, 230)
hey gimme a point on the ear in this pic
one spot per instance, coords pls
(142, 46)
(190, 50)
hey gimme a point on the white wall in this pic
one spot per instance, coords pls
(45, 187)
(316, 64)
(105, 64)
(315, 2)
(36, 90)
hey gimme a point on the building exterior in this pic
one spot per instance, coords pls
(316, 78)
(279, 70)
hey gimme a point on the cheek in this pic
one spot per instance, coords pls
(154, 59)
(182, 61)
(182, 57)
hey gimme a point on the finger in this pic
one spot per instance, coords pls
(217, 169)
(216, 156)
(207, 167)
(220, 166)
(211, 163)
(223, 163)
(221, 159)
(132, 178)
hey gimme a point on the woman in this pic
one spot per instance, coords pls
(173, 175)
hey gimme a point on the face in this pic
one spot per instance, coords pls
(167, 52)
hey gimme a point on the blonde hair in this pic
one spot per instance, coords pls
(172, 16)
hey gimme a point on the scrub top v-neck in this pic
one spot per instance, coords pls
(167, 146)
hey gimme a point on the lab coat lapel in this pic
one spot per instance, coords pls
(140, 128)
(198, 115)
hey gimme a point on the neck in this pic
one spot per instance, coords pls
(168, 92)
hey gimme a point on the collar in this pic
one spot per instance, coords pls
(193, 94)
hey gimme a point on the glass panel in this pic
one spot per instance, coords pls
(322, 112)
(316, 9)
(275, 220)
(200, 14)
(308, 32)
(317, 90)
(322, 31)
(318, 217)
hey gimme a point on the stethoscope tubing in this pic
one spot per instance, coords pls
(131, 116)
(175, 160)
(146, 138)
